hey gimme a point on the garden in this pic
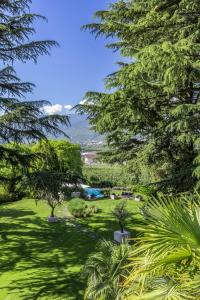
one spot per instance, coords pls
(126, 226)
(41, 260)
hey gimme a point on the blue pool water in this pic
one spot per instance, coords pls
(94, 193)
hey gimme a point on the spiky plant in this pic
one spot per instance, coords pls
(105, 273)
(166, 259)
(121, 214)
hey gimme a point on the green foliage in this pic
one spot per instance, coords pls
(105, 271)
(106, 175)
(156, 91)
(46, 186)
(80, 209)
(76, 204)
(147, 192)
(17, 162)
(166, 259)
(121, 214)
(41, 158)
(10, 197)
(21, 121)
(58, 161)
(59, 155)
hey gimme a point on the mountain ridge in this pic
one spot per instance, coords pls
(80, 131)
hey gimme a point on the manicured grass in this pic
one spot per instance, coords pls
(39, 260)
(104, 223)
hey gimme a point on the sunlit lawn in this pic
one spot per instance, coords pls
(39, 260)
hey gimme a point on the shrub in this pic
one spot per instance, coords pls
(6, 197)
(145, 191)
(106, 192)
(79, 208)
(94, 209)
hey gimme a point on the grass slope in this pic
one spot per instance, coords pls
(43, 261)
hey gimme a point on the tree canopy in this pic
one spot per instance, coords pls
(58, 155)
(49, 161)
(21, 120)
(151, 106)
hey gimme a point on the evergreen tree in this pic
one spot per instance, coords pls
(21, 120)
(152, 104)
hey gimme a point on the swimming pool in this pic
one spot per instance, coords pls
(94, 193)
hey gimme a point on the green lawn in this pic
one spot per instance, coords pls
(39, 260)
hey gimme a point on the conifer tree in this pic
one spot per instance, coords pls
(21, 120)
(151, 107)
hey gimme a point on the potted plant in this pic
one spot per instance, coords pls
(121, 214)
(113, 196)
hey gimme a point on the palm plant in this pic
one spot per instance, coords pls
(105, 273)
(121, 214)
(166, 259)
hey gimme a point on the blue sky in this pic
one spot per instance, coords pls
(80, 64)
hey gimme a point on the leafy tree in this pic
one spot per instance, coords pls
(12, 168)
(152, 102)
(47, 186)
(44, 157)
(21, 120)
(59, 155)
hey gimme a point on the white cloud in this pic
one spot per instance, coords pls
(68, 107)
(52, 109)
(83, 101)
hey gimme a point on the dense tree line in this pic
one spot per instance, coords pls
(150, 112)
(21, 120)
(46, 160)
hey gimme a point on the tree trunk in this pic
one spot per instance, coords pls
(121, 226)
(52, 211)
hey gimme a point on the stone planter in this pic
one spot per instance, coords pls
(52, 219)
(138, 198)
(119, 236)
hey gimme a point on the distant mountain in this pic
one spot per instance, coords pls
(80, 131)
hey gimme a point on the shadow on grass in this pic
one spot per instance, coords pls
(104, 225)
(44, 260)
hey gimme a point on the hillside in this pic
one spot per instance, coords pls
(80, 131)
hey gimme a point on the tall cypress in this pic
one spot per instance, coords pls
(151, 106)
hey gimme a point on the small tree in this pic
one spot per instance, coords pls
(121, 214)
(49, 187)
(53, 201)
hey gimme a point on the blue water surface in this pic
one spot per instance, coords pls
(94, 193)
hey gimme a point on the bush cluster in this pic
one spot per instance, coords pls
(79, 208)
(10, 197)
(145, 191)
